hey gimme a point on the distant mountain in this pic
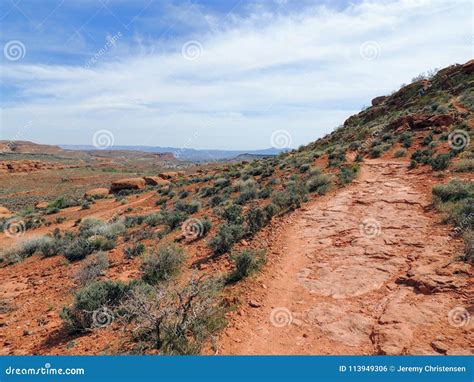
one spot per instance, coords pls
(184, 153)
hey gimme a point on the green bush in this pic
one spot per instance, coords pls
(406, 140)
(232, 214)
(173, 219)
(134, 251)
(469, 246)
(226, 237)
(376, 152)
(78, 249)
(163, 264)
(189, 208)
(400, 153)
(464, 165)
(319, 183)
(89, 301)
(455, 190)
(440, 162)
(246, 262)
(348, 173)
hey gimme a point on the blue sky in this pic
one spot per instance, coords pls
(212, 74)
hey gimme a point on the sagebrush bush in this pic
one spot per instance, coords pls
(440, 162)
(400, 153)
(79, 317)
(92, 268)
(464, 165)
(456, 189)
(246, 262)
(134, 250)
(319, 183)
(78, 249)
(163, 264)
(226, 237)
(348, 173)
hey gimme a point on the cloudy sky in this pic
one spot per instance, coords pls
(212, 74)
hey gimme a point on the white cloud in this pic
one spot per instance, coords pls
(302, 72)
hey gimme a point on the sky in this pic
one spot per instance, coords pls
(222, 74)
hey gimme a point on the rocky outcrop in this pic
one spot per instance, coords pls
(97, 192)
(378, 100)
(127, 184)
(5, 212)
(421, 122)
(42, 205)
(169, 175)
(156, 181)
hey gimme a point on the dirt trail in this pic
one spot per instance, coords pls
(367, 270)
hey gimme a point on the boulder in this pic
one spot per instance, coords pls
(96, 192)
(127, 184)
(42, 205)
(156, 181)
(5, 212)
(169, 175)
(468, 67)
(378, 100)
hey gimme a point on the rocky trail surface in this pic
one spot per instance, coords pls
(367, 270)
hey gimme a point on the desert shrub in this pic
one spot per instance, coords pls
(78, 249)
(400, 153)
(174, 218)
(62, 202)
(183, 194)
(305, 167)
(336, 157)
(232, 214)
(354, 145)
(464, 165)
(270, 210)
(440, 162)
(161, 202)
(406, 140)
(222, 182)
(134, 250)
(319, 183)
(209, 191)
(215, 200)
(246, 262)
(412, 165)
(422, 156)
(453, 191)
(376, 151)
(359, 158)
(93, 267)
(174, 320)
(469, 246)
(189, 208)
(25, 248)
(427, 139)
(246, 195)
(226, 237)
(265, 193)
(131, 221)
(100, 296)
(94, 227)
(255, 219)
(163, 264)
(153, 219)
(387, 137)
(348, 173)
